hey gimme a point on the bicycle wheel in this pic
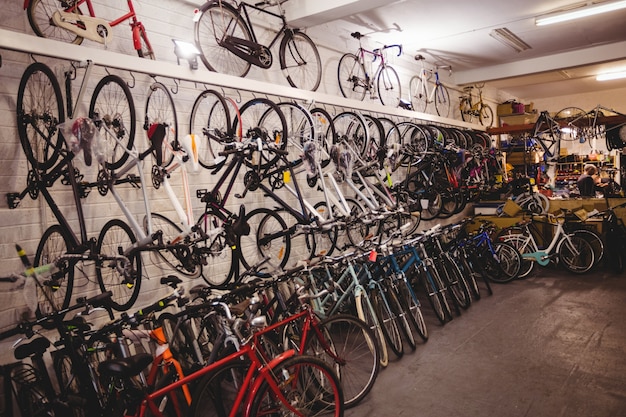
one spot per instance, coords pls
(179, 254)
(325, 134)
(388, 85)
(261, 118)
(358, 355)
(215, 393)
(325, 239)
(210, 117)
(485, 115)
(442, 100)
(357, 230)
(576, 254)
(353, 81)
(268, 237)
(506, 265)
(300, 126)
(456, 284)
(300, 61)
(179, 340)
(124, 281)
(352, 129)
(40, 19)
(418, 94)
(365, 312)
(112, 104)
(218, 24)
(415, 137)
(432, 284)
(39, 111)
(218, 269)
(413, 308)
(388, 322)
(55, 292)
(160, 108)
(145, 48)
(400, 315)
(595, 241)
(309, 385)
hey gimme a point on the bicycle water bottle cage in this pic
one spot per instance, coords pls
(156, 134)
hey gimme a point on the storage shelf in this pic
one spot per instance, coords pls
(527, 128)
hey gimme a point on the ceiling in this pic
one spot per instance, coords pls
(564, 58)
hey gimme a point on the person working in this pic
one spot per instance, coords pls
(586, 182)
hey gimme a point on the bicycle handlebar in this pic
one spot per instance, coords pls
(378, 51)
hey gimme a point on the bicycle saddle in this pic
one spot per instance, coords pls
(35, 348)
(125, 367)
(156, 134)
(356, 35)
(419, 57)
(171, 280)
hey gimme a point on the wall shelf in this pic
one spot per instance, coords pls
(528, 128)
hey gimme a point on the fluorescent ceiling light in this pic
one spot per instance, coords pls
(588, 9)
(510, 39)
(611, 76)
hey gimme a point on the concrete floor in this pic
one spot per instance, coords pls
(552, 345)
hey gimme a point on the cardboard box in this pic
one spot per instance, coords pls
(522, 119)
(504, 109)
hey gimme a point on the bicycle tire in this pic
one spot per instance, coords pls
(179, 340)
(376, 135)
(354, 343)
(214, 23)
(300, 126)
(507, 266)
(56, 292)
(179, 256)
(112, 103)
(461, 260)
(575, 254)
(365, 312)
(214, 394)
(431, 283)
(40, 19)
(160, 108)
(325, 134)
(400, 313)
(39, 111)
(210, 117)
(388, 323)
(357, 231)
(442, 100)
(311, 386)
(457, 286)
(219, 268)
(413, 308)
(300, 61)
(416, 137)
(262, 118)
(145, 48)
(418, 94)
(595, 241)
(352, 78)
(325, 241)
(115, 236)
(485, 115)
(352, 129)
(253, 248)
(388, 86)
(524, 245)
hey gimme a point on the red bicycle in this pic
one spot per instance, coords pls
(64, 20)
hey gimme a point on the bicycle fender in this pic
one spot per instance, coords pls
(258, 380)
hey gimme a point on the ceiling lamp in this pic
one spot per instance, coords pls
(611, 76)
(510, 39)
(588, 9)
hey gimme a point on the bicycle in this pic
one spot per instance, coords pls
(228, 43)
(418, 90)
(65, 21)
(472, 110)
(574, 252)
(355, 81)
(40, 110)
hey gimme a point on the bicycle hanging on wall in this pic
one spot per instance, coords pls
(66, 21)
(472, 110)
(229, 44)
